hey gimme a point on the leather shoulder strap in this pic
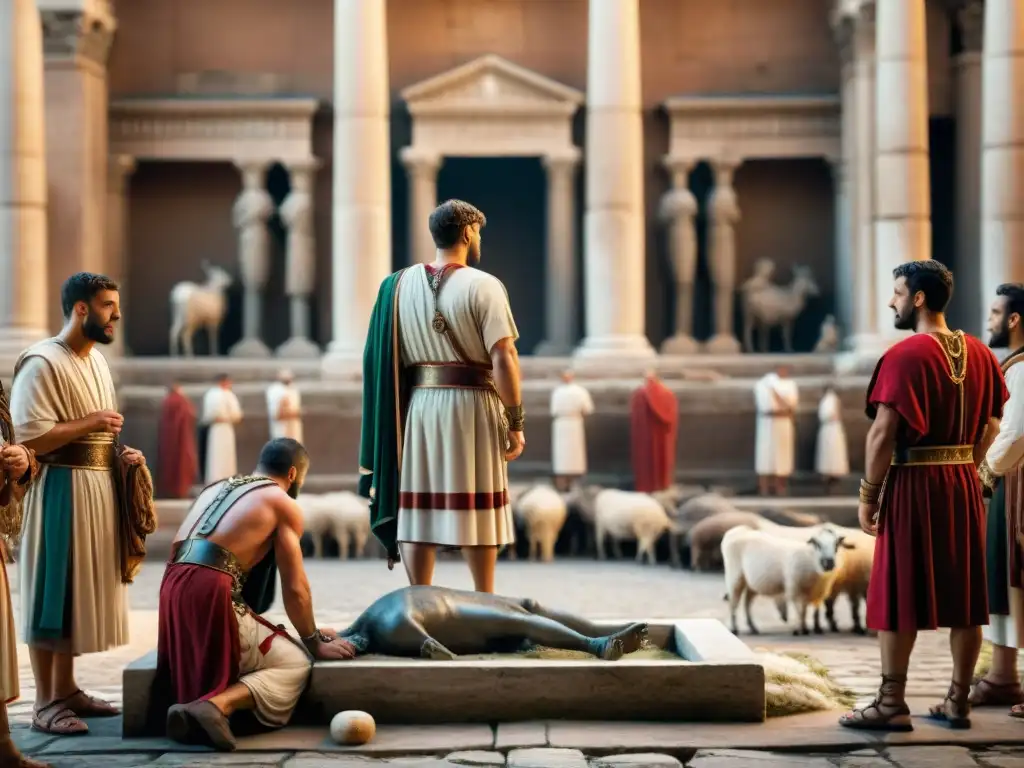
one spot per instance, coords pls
(234, 489)
(1012, 360)
(440, 324)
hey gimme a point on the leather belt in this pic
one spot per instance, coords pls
(98, 455)
(452, 375)
(209, 555)
(933, 456)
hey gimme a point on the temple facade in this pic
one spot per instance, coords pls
(637, 160)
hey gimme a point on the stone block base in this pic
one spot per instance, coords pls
(717, 678)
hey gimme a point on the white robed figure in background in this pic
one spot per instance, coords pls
(284, 407)
(570, 404)
(831, 456)
(776, 397)
(221, 411)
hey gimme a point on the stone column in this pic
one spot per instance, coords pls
(361, 201)
(120, 169)
(300, 265)
(422, 169)
(970, 311)
(614, 255)
(76, 41)
(902, 181)
(724, 211)
(252, 209)
(677, 212)
(1002, 185)
(560, 299)
(844, 167)
(23, 235)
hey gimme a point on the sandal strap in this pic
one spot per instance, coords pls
(58, 716)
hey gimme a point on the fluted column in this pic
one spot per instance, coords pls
(677, 211)
(422, 169)
(252, 209)
(970, 310)
(725, 214)
(1002, 174)
(560, 299)
(23, 235)
(120, 169)
(361, 201)
(300, 261)
(614, 223)
(902, 183)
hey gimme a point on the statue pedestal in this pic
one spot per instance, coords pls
(723, 344)
(298, 349)
(680, 344)
(250, 348)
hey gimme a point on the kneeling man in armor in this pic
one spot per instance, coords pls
(216, 654)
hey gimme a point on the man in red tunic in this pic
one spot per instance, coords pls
(935, 398)
(178, 454)
(654, 422)
(216, 655)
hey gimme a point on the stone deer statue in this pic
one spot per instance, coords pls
(770, 305)
(195, 306)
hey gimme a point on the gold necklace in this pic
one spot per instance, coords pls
(954, 347)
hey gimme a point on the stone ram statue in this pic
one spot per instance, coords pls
(767, 305)
(195, 306)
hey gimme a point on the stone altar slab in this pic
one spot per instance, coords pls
(716, 678)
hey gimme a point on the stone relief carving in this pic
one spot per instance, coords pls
(767, 305)
(828, 337)
(677, 211)
(195, 306)
(250, 213)
(77, 34)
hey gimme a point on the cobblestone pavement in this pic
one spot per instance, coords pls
(341, 590)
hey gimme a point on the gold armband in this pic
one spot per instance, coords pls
(988, 479)
(869, 492)
(516, 418)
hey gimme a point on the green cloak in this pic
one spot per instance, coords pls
(380, 444)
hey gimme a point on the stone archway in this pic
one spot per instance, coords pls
(491, 107)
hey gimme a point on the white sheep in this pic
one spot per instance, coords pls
(625, 515)
(706, 536)
(345, 515)
(542, 511)
(852, 577)
(802, 572)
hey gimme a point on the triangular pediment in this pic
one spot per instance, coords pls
(490, 82)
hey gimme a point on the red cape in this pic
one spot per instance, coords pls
(654, 417)
(177, 454)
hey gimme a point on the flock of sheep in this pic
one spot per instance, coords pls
(790, 557)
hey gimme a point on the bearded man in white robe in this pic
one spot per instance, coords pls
(776, 398)
(221, 412)
(284, 408)
(73, 600)
(570, 404)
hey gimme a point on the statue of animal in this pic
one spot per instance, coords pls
(195, 306)
(773, 306)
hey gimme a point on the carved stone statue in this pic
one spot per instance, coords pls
(678, 207)
(767, 305)
(195, 306)
(440, 624)
(828, 337)
(724, 212)
(250, 213)
(300, 267)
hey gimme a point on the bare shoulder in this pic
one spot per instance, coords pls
(286, 509)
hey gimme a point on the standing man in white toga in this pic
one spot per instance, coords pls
(284, 407)
(221, 412)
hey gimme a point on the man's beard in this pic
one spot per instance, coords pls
(293, 490)
(473, 256)
(94, 330)
(1000, 338)
(907, 322)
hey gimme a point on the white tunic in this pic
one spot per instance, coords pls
(569, 404)
(221, 410)
(831, 457)
(281, 395)
(776, 435)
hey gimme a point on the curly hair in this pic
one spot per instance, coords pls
(1014, 293)
(450, 218)
(930, 277)
(83, 286)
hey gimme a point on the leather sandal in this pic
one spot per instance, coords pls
(887, 712)
(90, 706)
(955, 709)
(57, 719)
(200, 722)
(988, 694)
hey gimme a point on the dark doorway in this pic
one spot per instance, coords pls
(512, 193)
(276, 328)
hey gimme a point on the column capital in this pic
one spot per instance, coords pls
(253, 171)
(724, 166)
(420, 162)
(970, 20)
(679, 169)
(564, 161)
(77, 35)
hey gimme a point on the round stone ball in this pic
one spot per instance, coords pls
(352, 727)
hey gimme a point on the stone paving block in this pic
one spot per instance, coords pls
(105, 761)
(932, 757)
(519, 735)
(546, 757)
(390, 740)
(738, 758)
(636, 760)
(476, 758)
(320, 760)
(249, 759)
(92, 745)
(29, 741)
(863, 758)
(1003, 760)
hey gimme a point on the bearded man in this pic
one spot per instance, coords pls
(64, 408)
(442, 412)
(1003, 471)
(935, 400)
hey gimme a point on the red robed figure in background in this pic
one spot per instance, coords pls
(929, 566)
(654, 422)
(178, 455)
